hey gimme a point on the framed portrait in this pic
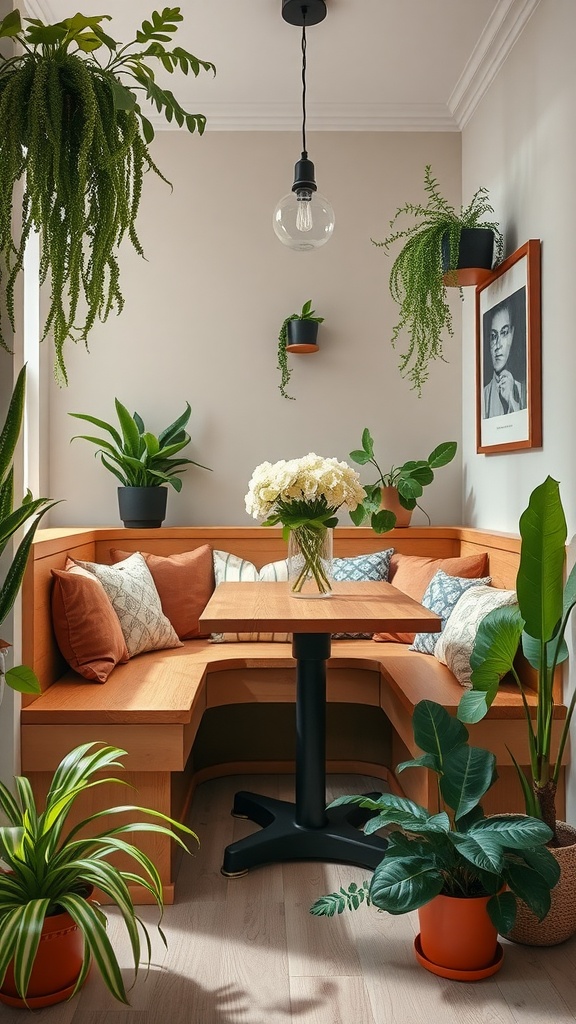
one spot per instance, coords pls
(508, 355)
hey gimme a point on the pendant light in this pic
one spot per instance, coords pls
(304, 219)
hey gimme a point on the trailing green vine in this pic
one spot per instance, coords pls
(306, 313)
(74, 132)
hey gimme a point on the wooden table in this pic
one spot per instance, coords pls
(306, 830)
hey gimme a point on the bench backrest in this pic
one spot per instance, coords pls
(259, 545)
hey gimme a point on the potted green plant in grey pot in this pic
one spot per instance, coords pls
(464, 872)
(299, 334)
(143, 462)
(11, 520)
(428, 261)
(73, 131)
(538, 624)
(51, 928)
(390, 501)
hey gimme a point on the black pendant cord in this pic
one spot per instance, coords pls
(304, 153)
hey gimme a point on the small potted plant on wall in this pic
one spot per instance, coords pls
(299, 334)
(461, 870)
(11, 520)
(538, 622)
(142, 462)
(72, 130)
(50, 928)
(442, 247)
(390, 501)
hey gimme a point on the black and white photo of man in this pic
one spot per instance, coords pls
(504, 328)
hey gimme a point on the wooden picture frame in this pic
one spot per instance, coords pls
(508, 355)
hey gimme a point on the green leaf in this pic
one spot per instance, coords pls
(402, 884)
(360, 457)
(544, 862)
(23, 679)
(468, 774)
(10, 26)
(435, 731)
(338, 902)
(13, 422)
(368, 442)
(539, 582)
(443, 454)
(383, 521)
(358, 515)
(529, 886)
(502, 911)
(483, 850)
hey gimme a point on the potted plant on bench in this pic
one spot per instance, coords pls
(391, 500)
(50, 927)
(11, 519)
(461, 870)
(142, 462)
(428, 261)
(538, 622)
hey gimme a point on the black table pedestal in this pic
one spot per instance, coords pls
(305, 830)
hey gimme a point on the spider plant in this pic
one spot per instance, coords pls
(50, 868)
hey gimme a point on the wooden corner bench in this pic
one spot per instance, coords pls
(203, 710)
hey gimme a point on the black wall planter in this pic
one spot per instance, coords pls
(142, 508)
(302, 336)
(474, 260)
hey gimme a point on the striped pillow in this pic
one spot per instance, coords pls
(232, 568)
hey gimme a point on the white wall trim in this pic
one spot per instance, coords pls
(502, 30)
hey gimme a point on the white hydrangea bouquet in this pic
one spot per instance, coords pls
(304, 495)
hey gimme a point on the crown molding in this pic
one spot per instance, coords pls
(327, 117)
(502, 30)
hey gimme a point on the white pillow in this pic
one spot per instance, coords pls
(132, 591)
(232, 568)
(456, 643)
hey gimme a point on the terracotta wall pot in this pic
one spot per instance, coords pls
(457, 933)
(142, 508)
(56, 968)
(560, 922)
(474, 260)
(389, 500)
(302, 336)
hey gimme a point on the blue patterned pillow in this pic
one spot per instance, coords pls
(441, 596)
(372, 566)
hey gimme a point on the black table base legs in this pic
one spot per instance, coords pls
(305, 830)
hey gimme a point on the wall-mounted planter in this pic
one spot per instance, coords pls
(474, 260)
(302, 336)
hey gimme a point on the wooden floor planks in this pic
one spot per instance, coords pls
(247, 951)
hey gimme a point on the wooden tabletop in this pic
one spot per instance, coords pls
(354, 607)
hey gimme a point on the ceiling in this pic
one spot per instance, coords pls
(373, 65)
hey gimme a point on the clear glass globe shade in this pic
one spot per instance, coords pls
(303, 223)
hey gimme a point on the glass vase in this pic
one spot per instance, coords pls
(310, 561)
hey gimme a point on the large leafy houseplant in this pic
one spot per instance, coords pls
(137, 457)
(416, 278)
(52, 867)
(307, 314)
(457, 851)
(11, 520)
(409, 479)
(72, 130)
(538, 623)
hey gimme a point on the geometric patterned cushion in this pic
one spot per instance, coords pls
(457, 641)
(373, 565)
(135, 600)
(440, 597)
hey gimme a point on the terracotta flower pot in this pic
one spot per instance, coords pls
(56, 967)
(389, 500)
(560, 921)
(457, 934)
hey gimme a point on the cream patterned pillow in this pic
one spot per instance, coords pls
(134, 597)
(456, 643)
(232, 568)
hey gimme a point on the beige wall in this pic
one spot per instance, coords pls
(521, 144)
(202, 318)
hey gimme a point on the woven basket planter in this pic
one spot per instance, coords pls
(560, 922)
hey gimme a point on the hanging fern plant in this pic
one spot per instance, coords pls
(73, 131)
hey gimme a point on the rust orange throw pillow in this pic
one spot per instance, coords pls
(412, 573)
(185, 583)
(86, 626)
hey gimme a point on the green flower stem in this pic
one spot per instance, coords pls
(311, 542)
